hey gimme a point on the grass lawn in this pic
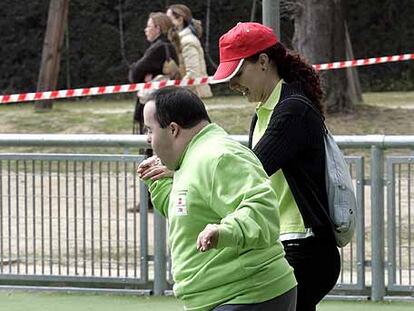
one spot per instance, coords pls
(381, 113)
(42, 301)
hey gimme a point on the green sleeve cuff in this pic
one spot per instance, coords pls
(148, 182)
(226, 238)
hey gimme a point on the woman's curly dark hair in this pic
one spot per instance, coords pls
(292, 68)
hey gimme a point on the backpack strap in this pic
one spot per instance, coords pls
(307, 102)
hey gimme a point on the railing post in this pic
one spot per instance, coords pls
(143, 227)
(271, 15)
(377, 223)
(160, 258)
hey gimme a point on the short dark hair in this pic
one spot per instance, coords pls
(179, 105)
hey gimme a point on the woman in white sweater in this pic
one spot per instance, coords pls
(193, 55)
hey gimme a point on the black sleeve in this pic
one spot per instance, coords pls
(150, 63)
(284, 138)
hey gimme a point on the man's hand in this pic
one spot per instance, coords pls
(153, 169)
(208, 238)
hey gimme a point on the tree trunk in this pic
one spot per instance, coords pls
(352, 73)
(320, 37)
(52, 48)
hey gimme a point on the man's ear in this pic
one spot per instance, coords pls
(174, 128)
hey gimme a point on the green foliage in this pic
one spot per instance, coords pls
(92, 52)
(380, 28)
(21, 34)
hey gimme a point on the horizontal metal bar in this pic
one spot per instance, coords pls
(399, 298)
(140, 141)
(83, 279)
(333, 297)
(400, 288)
(112, 291)
(346, 287)
(77, 140)
(353, 159)
(400, 159)
(73, 157)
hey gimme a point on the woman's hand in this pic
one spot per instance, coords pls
(208, 238)
(153, 169)
(148, 77)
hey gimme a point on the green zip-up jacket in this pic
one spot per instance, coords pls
(219, 181)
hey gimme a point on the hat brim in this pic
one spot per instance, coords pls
(227, 70)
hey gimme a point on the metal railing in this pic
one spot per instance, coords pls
(400, 223)
(72, 218)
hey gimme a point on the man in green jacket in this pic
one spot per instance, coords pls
(222, 218)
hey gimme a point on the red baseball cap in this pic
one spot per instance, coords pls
(243, 40)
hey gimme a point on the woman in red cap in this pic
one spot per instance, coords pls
(288, 138)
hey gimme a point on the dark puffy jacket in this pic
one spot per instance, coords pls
(152, 60)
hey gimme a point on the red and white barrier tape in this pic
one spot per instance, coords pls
(99, 90)
(134, 87)
(364, 62)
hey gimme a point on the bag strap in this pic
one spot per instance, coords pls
(167, 52)
(307, 102)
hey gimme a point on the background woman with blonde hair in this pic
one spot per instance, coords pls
(190, 31)
(164, 45)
